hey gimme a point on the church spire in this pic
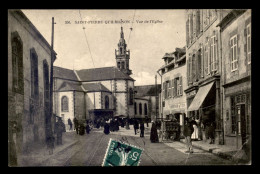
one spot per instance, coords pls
(122, 33)
(123, 55)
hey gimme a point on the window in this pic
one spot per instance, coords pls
(166, 89)
(64, 104)
(169, 88)
(233, 45)
(145, 109)
(173, 88)
(135, 108)
(118, 64)
(123, 65)
(106, 102)
(248, 42)
(131, 96)
(213, 53)
(193, 68)
(17, 63)
(201, 61)
(140, 108)
(46, 81)
(34, 74)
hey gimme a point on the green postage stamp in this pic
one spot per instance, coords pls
(121, 154)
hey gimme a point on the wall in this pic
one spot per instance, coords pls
(178, 103)
(70, 113)
(138, 101)
(79, 107)
(18, 108)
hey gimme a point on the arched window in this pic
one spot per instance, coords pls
(140, 108)
(135, 108)
(17, 63)
(145, 109)
(34, 74)
(131, 96)
(121, 51)
(123, 65)
(64, 104)
(118, 64)
(106, 102)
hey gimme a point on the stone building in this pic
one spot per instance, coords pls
(96, 93)
(146, 98)
(204, 68)
(173, 74)
(29, 63)
(235, 29)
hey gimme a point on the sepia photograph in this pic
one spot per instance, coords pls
(129, 87)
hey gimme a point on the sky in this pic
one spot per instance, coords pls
(154, 33)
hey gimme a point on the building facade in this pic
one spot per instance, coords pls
(29, 67)
(173, 74)
(204, 69)
(148, 97)
(235, 28)
(96, 93)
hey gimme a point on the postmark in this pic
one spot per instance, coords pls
(122, 154)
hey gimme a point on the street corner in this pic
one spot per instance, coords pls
(119, 153)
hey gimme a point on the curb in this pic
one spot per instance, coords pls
(213, 151)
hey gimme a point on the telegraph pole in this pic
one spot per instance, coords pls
(156, 97)
(51, 78)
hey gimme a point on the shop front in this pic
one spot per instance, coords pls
(205, 110)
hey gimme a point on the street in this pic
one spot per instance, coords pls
(90, 151)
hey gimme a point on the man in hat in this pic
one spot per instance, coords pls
(187, 132)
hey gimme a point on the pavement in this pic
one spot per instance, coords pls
(40, 155)
(224, 151)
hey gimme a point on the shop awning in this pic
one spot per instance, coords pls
(200, 97)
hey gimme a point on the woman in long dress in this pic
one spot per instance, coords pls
(154, 135)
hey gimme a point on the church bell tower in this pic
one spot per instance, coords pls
(123, 55)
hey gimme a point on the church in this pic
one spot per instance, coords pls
(91, 94)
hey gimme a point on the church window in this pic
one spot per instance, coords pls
(17, 63)
(131, 96)
(64, 104)
(106, 102)
(140, 108)
(34, 74)
(135, 109)
(123, 65)
(145, 109)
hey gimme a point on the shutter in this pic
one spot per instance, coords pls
(173, 88)
(217, 60)
(187, 32)
(191, 27)
(181, 92)
(202, 61)
(209, 56)
(196, 66)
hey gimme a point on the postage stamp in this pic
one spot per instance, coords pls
(122, 154)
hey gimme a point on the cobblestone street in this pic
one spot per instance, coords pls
(90, 151)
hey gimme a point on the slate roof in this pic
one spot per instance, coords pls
(64, 73)
(65, 86)
(93, 87)
(104, 73)
(146, 90)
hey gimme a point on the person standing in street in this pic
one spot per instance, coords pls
(211, 132)
(142, 129)
(59, 129)
(154, 135)
(76, 125)
(136, 126)
(187, 132)
(106, 128)
(70, 123)
(87, 127)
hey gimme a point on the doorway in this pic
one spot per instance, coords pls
(241, 122)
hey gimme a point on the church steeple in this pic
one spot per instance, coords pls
(123, 55)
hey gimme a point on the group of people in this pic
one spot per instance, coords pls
(82, 126)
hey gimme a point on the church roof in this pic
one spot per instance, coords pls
(146, 90)
(94, 87)
(64, 73)
(104, 73)
(66, 86)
